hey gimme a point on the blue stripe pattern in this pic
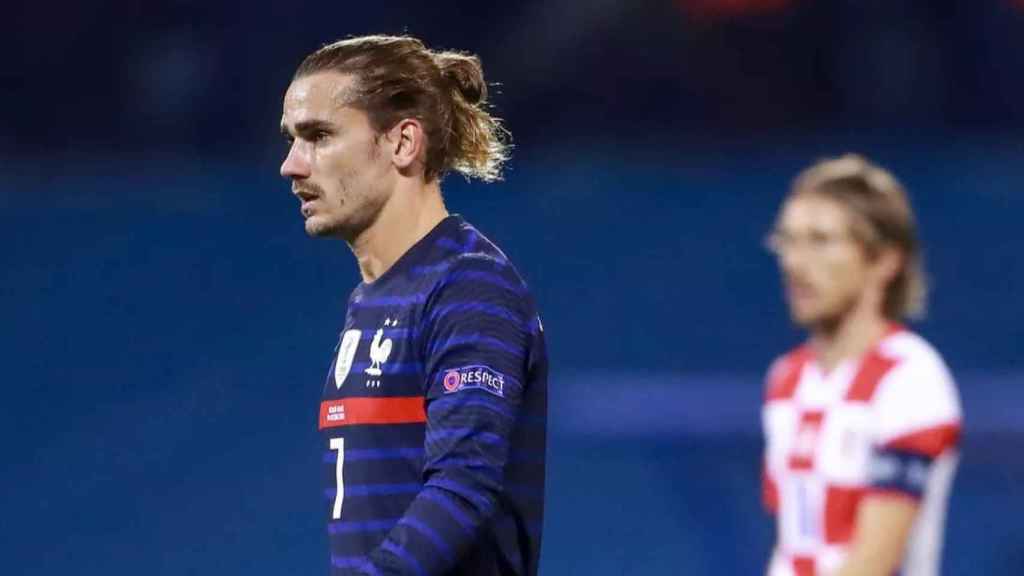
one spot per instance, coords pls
(475, 434)
(453, 495)
(477, 339)
(489, 402)
(393, 333)
(391, 367)
(341, 527)
(357, 562)
(430, 534)
(431, 268)
(443, 499)
(479, 308)
(465, 245)
(373, 490)
(330, 457)
(462, 490)
(485, 276)
(404, 555)
(390, 301)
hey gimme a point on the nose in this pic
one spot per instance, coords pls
(791, 261)
(295, 166)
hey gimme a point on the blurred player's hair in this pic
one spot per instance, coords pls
(398, 77)
(881, 215)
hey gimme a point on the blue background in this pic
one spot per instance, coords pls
(167, 324)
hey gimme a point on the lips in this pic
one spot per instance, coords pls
(799, 290)
(304, 194)
(307, 199)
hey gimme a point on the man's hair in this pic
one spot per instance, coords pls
(880, 216)
(397, 77)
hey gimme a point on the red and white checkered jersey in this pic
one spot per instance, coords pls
(888, 423)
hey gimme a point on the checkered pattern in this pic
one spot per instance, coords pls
(823, 432)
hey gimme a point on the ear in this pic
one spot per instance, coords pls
(888, 264)
(407, 143)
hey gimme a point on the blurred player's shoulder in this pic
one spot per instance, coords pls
(784, 373)
(908, 348)
(919, 391)
(918, 367)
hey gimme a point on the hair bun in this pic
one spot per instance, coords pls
(465, 74)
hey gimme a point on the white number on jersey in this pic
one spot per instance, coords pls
(339, 445)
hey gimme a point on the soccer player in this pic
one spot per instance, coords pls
(861, 422)
(434, 409)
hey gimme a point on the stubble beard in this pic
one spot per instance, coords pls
(350, 216)
(828, 322)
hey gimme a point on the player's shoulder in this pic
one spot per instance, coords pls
(784, 373)
(918, 382)
(917, 398)
(475, 258)
(913, 357)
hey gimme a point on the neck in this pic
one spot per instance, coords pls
(850, 336)
(412, 211)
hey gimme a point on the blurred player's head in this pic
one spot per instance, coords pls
(365, 114)
(846, 241)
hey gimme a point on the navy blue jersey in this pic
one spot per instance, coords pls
(433, 416)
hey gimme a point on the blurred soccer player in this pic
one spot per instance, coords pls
(433, 412)
(861, 422)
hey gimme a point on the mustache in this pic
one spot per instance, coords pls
(307, 189)
(797, 281)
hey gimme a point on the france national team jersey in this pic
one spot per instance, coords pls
(433, 416)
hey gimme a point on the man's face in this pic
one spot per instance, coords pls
(336, 162)
(824, 268)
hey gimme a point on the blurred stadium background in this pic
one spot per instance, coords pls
(167, 325)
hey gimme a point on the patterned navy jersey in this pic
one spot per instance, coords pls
(433, 416)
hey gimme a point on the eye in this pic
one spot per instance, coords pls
(321, 135)
(819, 239)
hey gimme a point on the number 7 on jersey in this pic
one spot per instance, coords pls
(339, 497)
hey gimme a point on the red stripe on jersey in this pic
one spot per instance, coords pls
(929, 441)
(769, 492)
(785, 374)
(872, 369)
(803, 565)
(806, 442)
(841, 513)
(354, 411)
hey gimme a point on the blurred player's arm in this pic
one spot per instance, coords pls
(918, 413)
(880, 538)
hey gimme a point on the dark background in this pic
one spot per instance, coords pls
(166, 324)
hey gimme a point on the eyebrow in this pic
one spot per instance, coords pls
(306, 127)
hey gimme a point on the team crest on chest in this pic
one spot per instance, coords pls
(805, 443)
(346, 353)
(380, 350)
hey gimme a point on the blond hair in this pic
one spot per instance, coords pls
(881, 216)
(398, 77)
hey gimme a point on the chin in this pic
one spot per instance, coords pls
(317, 228)
(818, 321)
(806, 318)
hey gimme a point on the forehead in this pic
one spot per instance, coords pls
(811, 211)
(318, 96)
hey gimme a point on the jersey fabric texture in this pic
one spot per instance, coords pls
(433, 416)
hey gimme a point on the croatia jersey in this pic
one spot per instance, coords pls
(886, 424)
(433, 417)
